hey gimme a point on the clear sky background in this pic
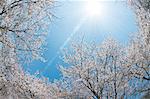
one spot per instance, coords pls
(116, 19)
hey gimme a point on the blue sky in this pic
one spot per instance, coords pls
(116, 19)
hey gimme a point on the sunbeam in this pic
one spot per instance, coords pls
(75, 30)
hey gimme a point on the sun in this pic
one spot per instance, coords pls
(93, 8)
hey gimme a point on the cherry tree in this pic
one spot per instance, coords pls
(96, 71)
(113, 58)
(79, 67)
(138, 55)
(23, 27)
